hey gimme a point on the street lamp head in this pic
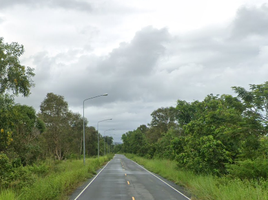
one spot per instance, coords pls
(105, 94)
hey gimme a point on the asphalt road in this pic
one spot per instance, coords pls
(124, 179)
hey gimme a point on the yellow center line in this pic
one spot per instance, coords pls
(133, 198)
(125, 174)
(128, 182)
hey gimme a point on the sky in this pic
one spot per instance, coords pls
(146, 54)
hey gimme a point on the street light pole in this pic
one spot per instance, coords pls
(99, 134)
(84, 137)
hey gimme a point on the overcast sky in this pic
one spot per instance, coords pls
(145, 54)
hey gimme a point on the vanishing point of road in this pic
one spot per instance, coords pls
(123, 179)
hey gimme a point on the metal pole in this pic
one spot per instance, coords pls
(104, 146)
(98, 139)
(99, 134)
(84, 137)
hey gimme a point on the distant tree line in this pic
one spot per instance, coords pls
(219, 135)
(26, 136)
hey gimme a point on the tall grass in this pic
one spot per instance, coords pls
(7, 195)
(63, 177)
(206, 187)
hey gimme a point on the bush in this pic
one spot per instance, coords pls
(249, 169)
(5, 170)
(40, 170)
(205, 155)
(21, 177)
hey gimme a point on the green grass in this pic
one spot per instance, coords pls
(205, 187)
(59, 182)
(7, 195)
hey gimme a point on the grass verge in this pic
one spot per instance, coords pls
(61, 180)
(205, 187)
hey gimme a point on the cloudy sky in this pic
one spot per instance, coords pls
(145, 54)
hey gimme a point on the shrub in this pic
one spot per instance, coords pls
(249, 169)
(5, 170)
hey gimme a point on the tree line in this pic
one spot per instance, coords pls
(27, 136)
(221, 135)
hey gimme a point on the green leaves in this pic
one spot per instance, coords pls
(5, 169)
(6, 124)
(14, 77)
(217, 134)
(255, 100)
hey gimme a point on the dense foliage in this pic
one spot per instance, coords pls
(221, 135)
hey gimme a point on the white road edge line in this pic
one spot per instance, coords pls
(162, 181)
(91, 181)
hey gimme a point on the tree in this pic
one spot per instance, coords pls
(256, 102)
(162, 120)
(75, 137)
(164, 148)
(14, 77)
(218, 130)
(134, 142)
(186, 112)
(26, 131)
(54, 112)
(92, 141)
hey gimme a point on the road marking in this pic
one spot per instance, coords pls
(162, 181)
(128, 182)
(91, 181)
(125, 174)
(133, 198)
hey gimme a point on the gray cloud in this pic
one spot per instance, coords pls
(65, 4)
(251, 21)
(138, 57)
(124, 74)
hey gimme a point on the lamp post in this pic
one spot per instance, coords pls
(99, 135)
(84, 137)
(104, 138)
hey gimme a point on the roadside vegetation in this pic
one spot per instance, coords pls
(220, 142)
(40, 153)
(205, 187)
(50, 179)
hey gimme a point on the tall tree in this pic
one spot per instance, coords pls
(162, 120)
(54, 112)
(14, 77)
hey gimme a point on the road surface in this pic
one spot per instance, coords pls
(124, 179)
